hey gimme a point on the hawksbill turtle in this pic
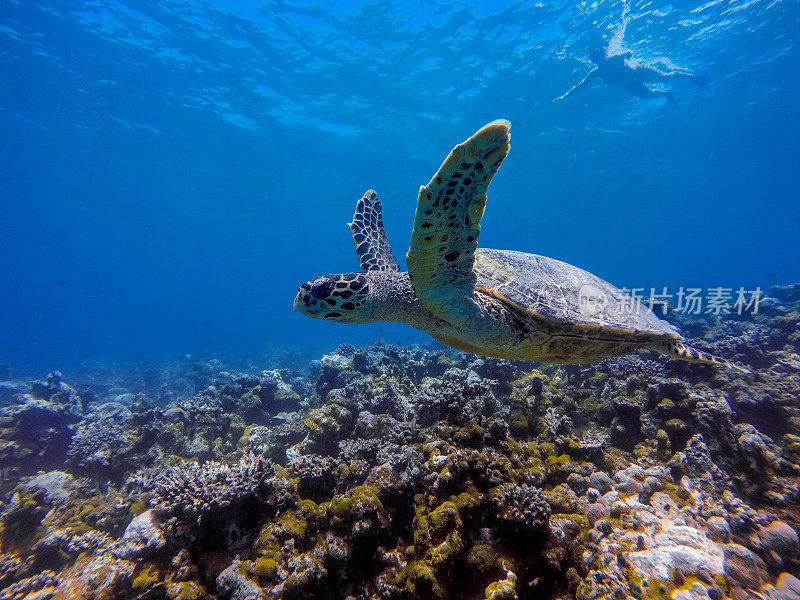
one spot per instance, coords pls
(498, 303)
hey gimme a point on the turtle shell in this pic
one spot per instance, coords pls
(561, 297)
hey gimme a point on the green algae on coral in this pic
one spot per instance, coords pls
(186, 590)
(353, 504)
(470, 434)
(444, 518)
(519, 424)
(505, 589)
(265, 568)
(421, 582)
(290, 525)
(443, 553)
(483, 557)
(678, 494)
(147, 576)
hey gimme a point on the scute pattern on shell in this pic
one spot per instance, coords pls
(550, 292)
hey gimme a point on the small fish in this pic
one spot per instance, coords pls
(174, 414)
(127, 351)
(61, 282)
(770, 276)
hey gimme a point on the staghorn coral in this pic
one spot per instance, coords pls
(555, 424)
(11, 569)
(316, 475)
(359, 448)
(95, 442)
(630, 364)
(31, 587)
(196, 490)
(522, 506)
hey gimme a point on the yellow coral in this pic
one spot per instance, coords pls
(146, 578)
(265, 568)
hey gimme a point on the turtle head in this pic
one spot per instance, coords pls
(340, 298)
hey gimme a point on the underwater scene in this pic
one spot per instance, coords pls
(401, 300)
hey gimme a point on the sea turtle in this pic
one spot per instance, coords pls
(499, 303)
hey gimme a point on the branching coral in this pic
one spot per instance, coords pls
(192, 490)
(522, 506)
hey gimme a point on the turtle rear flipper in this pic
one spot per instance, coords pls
(681, 351)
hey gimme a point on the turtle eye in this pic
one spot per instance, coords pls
(322, 291)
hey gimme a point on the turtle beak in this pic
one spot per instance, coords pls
(301, 300)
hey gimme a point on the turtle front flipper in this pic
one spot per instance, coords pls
(447, 224)
(369, 236)
(681, 351)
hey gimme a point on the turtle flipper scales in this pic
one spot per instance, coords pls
(447, 224)
(369, 236)
(677, 349)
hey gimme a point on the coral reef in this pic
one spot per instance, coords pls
(192, 491)
(522, 507)
(408, 473)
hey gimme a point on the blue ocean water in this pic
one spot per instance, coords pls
(172, 171)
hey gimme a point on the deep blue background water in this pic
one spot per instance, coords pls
(184, 166)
